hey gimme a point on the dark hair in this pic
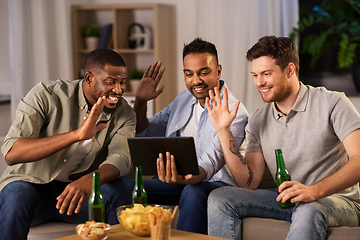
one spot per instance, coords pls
(98, 58)
(200, 46)
(282, 49)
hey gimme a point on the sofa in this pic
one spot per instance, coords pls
(252, 228)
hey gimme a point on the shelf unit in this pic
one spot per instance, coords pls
(158, 19)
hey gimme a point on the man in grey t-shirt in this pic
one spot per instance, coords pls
(318, 132)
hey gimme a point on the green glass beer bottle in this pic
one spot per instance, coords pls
(281, 176)
(96, 201)
(139, 194)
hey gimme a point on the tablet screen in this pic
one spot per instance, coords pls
(144, 152)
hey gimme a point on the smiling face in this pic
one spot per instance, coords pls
(272, 83)
(201, 73)
(108, 81)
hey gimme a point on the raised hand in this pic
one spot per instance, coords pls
(219, 114)
(89, 128)
(147, 88)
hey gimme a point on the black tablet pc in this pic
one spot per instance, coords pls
(145, 150)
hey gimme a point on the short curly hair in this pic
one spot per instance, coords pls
(100, 57)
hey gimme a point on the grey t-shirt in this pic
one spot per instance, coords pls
(310, 135)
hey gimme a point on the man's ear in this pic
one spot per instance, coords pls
(88, 77)
(219, 69)
(291, 69)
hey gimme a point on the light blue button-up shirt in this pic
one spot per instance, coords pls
(169, 121)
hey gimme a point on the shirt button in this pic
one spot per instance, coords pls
(176, 127)
(51, 179)
(84, 118)
(64, 160)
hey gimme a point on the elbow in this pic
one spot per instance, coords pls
(10, 159)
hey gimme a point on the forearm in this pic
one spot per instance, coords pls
(345, 177)
(108, 173)
(140, 108)
(241, 171)
(30, 150)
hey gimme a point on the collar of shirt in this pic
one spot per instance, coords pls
(299, 106)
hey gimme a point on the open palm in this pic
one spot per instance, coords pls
(219, 113)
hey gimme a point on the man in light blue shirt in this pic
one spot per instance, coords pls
(187, 116)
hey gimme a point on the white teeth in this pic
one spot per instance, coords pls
(265, 90)
(198, 89)
(113, 98)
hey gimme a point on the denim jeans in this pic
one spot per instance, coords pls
(24, 204)
(228, 205)
(192, 201)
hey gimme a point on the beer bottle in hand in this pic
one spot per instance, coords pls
(96, 201)
(281, 176)
(139, 194)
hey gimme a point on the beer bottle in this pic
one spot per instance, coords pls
(96, 201)
(139, 194)
(281, 176)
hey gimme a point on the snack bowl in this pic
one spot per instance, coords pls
(92, 230)
(134, 218)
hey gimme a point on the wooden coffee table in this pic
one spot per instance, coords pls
(118, 232)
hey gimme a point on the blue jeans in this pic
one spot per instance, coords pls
(228, 205)
(192, 201)
(24, 204)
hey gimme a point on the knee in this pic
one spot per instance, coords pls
(120, 185)
(216, 199)
(18, 191)
(118, 190)
(194, 191)
(309, 212)
(18, 196)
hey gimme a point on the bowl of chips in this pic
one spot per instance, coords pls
(134, 218)
(92, 230)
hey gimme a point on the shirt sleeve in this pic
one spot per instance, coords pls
(157, 124)
(344, 116)
(29, 118)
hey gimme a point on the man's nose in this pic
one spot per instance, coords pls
(196, 79)
(258, 81)
(117, 89)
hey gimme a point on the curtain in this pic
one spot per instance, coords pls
(39, 44)
(235, 26)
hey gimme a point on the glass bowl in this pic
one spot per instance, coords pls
(93, 230)
(134, 218)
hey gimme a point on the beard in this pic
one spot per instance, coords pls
(280, 92)
(110, 110)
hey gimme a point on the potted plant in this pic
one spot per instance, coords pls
(91, 34)
(135, 77)
(340, 24)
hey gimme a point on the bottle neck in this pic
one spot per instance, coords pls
(280, 160)
(138, 176)
(96, 182)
